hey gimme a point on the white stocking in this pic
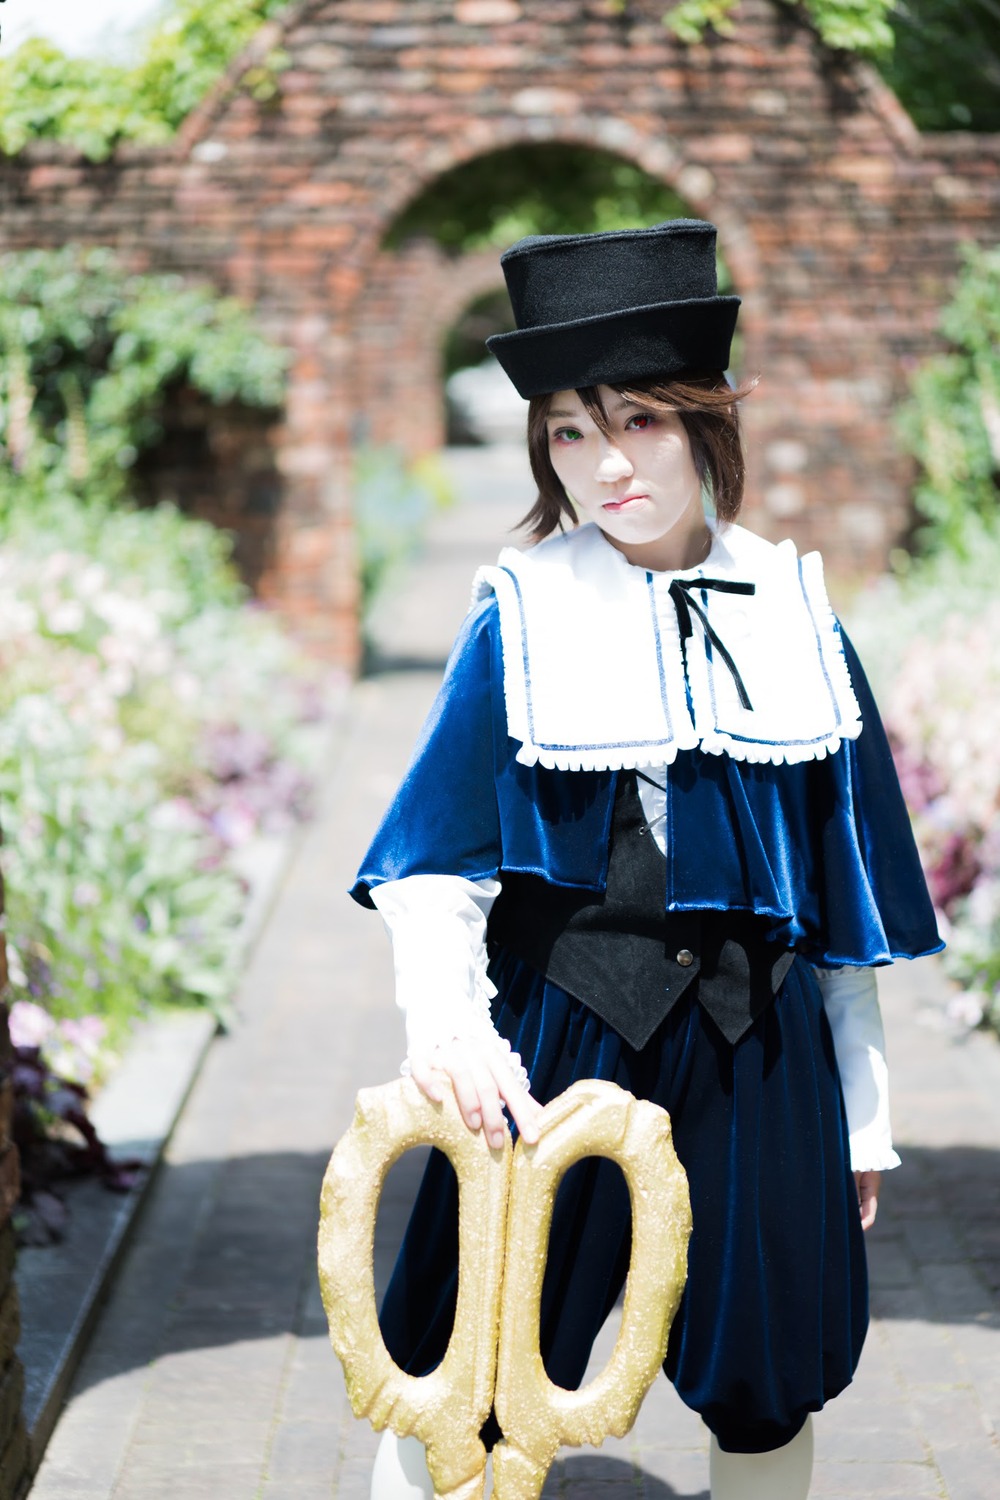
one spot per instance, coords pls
(400, 1470)
(782, 1474)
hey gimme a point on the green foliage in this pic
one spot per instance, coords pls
(945, 65)
(690, 19)
(929, 633)
(96, 104)
(105, 901)
(854, 25)
(942, 57)
(150, 722)
(538, 189)
(952, 421)
(186, 564)
(194, 45)
(86, 354)
(93, 104)
(935, 623)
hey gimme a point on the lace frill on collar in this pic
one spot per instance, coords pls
(608, 666)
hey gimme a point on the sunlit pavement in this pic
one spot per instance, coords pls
(210, 1376)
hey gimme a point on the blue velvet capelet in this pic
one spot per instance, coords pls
(823, 848)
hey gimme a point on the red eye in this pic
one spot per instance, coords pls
(641, 421)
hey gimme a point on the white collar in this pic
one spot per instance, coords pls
(594, 671)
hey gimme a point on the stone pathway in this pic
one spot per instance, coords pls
(210, 1376)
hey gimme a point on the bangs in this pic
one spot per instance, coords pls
(707, 405)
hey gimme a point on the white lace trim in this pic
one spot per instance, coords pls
(438, 929)
(472, 1020)
(873, 1161)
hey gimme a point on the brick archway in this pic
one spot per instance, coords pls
(411, 297)
(645, 146)
(840, 224)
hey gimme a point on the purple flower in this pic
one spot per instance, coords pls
(955, 871)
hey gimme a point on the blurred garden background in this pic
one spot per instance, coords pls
(191, 519)
(150, 705)
(248, 258)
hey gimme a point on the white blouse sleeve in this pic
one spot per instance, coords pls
(850, 997)
(438, 928)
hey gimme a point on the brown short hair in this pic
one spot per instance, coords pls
(707, 406)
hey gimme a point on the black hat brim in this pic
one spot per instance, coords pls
(665, 338)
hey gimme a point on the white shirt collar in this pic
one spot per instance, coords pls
(594, 672)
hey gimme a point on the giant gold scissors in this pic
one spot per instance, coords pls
(506, 1196)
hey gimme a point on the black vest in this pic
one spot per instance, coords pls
(623, 955)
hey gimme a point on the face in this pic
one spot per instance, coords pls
(639, 484)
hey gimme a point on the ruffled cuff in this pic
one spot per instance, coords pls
(438, 928)
(850, 997)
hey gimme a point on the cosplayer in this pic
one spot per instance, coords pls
(652, 833)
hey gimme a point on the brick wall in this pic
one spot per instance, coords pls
(839, 223)
(218, 463)
(414, 296)
(13, 1438)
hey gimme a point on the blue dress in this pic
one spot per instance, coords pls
(774, 1312)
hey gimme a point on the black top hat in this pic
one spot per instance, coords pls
(604, 309)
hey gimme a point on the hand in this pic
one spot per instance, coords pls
(868, 1184)
(483, 1083)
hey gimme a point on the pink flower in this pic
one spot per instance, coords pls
(30, 1025)
(86, 1032)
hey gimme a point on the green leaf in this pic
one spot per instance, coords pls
(86, 356)
(951, 422)
(94, 104)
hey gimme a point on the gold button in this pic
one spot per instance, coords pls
(685, 957)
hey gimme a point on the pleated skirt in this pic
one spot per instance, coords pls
(775, 1308)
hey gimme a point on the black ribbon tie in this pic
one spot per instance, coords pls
(681, 591)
